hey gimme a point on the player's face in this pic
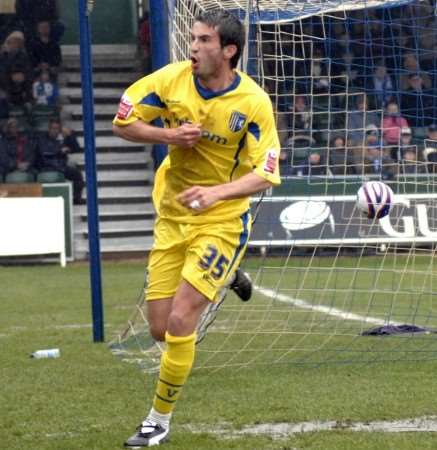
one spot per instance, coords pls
(207, 55)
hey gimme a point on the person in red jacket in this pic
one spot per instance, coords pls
(392, 124)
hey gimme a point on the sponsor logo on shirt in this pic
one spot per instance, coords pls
(125, 108)
(271, 161)
(237, 121)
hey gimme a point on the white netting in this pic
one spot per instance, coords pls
(353, 86)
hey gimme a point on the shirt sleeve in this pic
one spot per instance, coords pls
(143, 100)
(263, 143)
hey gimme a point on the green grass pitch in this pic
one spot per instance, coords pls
(89, 399)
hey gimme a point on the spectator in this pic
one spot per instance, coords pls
(30, 12)
(417, 103)
(314, 165)
(359, 119)
(372, 138)
(14, 56)
(45, 52)
(300, 116)
(144, 42)
(348, 72)
(53, 150)
(410, 163)
(411, 67)
(45, 91)
(380, 85)
(319, 72)
(340, 160)
(430, 148)
(4, 106)
(295, 150)
(19, 89)
(377, 162)
(392, 124)
(17, 149)
(406, 142)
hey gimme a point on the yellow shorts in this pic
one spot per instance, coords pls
(204, 255)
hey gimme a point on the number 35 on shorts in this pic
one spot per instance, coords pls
(216, 263)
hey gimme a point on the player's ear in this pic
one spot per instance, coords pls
(229, 51)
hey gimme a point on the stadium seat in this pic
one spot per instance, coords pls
(19, 177)
(50, 177)
(41, 115)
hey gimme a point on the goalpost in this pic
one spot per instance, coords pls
(330, 284)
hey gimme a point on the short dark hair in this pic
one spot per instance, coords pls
(229, 28)
(54, 120)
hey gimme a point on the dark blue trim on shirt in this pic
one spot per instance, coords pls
(237, 155)
(207, 94)
(153, 99)
(244, 237)
(253, 128)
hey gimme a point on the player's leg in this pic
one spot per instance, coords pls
(164, 278)
(158, 312)
(176, 362)
(164, 269)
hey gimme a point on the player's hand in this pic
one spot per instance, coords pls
(187, 135)
(198, 197)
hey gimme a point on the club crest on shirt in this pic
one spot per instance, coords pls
(237, 121)
(125, 108)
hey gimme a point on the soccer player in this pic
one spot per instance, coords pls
(223, 147)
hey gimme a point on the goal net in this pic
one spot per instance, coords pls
(353, 85)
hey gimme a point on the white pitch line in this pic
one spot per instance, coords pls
(284, 430)
(328, 310)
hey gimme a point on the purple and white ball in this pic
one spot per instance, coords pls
(375, 199)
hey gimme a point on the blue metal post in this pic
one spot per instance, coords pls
(160, 57)
(85, 8)
(252, 46)
(159, 33)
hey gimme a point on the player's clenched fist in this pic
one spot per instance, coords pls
(199, 197)
(187, 135)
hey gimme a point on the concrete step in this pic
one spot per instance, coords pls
(113, 142)
(101, 111)
(119, 244)
(102, 79)
(101, 94)
(119, 158)
(101, 64)
(101, 127)
(118, 211)
(102, 50)
(121, 227)
(118, 193)
(145, 176)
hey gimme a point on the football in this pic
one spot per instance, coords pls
(375, 199)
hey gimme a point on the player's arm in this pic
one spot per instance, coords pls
(263, 150)
(141, 104)
(206, 196)
(185, 135)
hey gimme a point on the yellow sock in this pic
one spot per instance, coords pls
(176, 362)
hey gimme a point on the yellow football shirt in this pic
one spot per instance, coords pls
(238, 137)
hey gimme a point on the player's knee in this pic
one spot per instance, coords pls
(178, 325)
(157, 332)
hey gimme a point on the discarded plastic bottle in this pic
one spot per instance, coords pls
(49, 353)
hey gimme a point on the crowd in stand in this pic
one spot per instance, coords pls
(359, 94)
(33, 143)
